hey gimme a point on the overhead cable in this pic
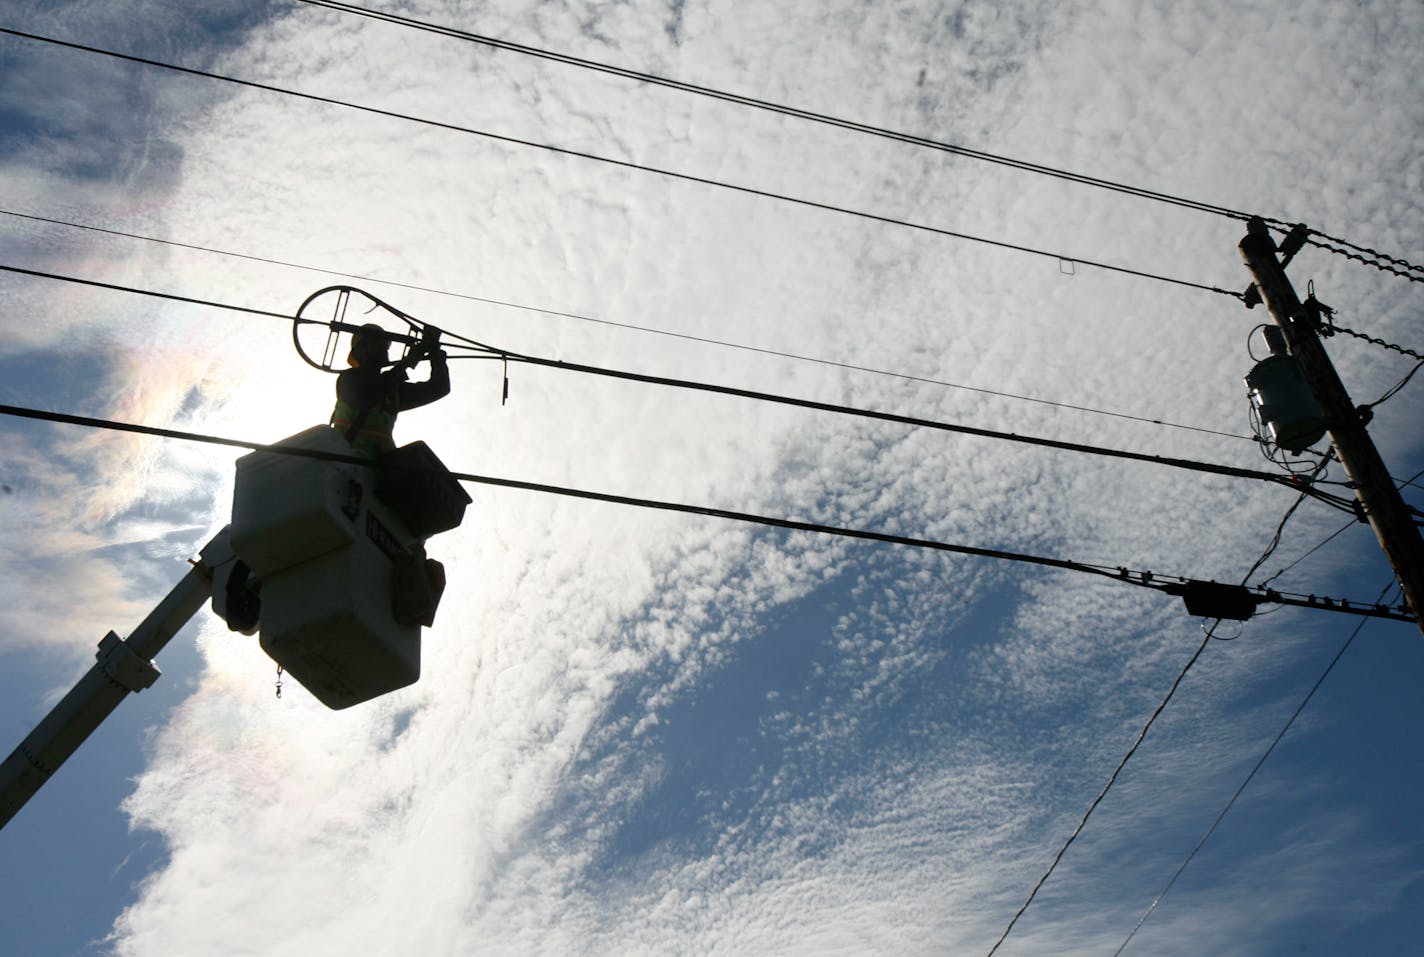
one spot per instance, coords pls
(1137, 742)
(1275, 541)
(171, 296)
(1112, 779)
(1230, 471)
(1333, 328)
(1401, 483)
(1393, 390)
(1170, 584)
(1369, 407)
(628, 164)
(1270, 749)
(1378, 260)
(780, 108)
(1188, 464)
(1363, 254)
(1326, 541)
(652, 330)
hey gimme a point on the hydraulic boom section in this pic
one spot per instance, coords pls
(123, 666)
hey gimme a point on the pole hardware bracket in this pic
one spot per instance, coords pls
(124, 665)
(1316, 314)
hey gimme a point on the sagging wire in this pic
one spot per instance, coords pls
(1329, 327)
(1275, 541)
(489, 135)
(1171, 584)
(723, 343)
(866, 128)
(484, 351)
(1372, 257)
(1333, 535)
(1209, 634)
(1368, 408)
(1249, 778)
(475, 349)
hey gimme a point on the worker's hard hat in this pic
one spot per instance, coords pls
(369, 343)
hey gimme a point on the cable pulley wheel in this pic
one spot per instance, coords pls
(334, 312)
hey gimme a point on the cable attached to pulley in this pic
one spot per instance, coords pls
(476, 349)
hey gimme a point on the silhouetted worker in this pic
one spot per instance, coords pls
(368, 399)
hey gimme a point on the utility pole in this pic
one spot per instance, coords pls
(1384, 507)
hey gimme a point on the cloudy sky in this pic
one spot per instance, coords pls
(639, 732)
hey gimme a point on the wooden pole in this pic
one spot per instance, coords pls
(1384, 507)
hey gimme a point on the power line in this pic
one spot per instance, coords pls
(174, 297)
(1328, 539)
(1170, 584)
(782, 109)
(1374, 341)
(1249, 777)
(1275, 541)
(1331, 327)
(1172, 462)
(111, 425)
(1393, 390)
(1401, 483)
(628, 164)
(1372, 253)
(636, 328)
(1112, 778)
(1370, 257)
(1379, 261)
(1188, 464)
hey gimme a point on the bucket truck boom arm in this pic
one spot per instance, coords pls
(123, 666)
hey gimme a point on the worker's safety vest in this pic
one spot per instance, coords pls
(373, 427)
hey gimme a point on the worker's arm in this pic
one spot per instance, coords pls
(415, 394)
